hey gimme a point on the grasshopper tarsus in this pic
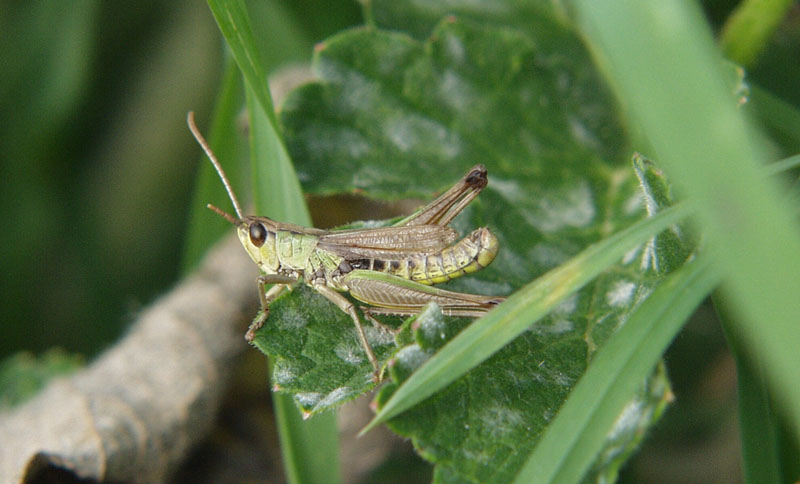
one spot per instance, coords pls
(250, 335)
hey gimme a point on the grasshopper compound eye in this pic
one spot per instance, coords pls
(258, 234)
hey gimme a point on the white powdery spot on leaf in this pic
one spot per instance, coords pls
(309, 399)
(567, 306)
(499, 420)
(403, 132)
(545, 254)
(335, 396)
(283, 375)
(621, 294)
(456, 92)
(560, 326)
(369, 175)
(473, 455)
(324, 140)
(633, 204)
(630, 255)
(412, 356)
(349, 353)
(571, 206)
(416, 134)
(627, 420)
(509, 189)
(545, 374)
(478, 286)
(290, 321)
(455, 49)
(378, 337)
(582, 134)
(433, 328)
(649, 256)
(362, 95)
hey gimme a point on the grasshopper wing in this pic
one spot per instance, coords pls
(388, 242)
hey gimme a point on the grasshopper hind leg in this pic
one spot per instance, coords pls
(389, 294)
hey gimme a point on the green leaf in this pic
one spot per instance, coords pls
(397, 117)
(675, 244)
(342, 138)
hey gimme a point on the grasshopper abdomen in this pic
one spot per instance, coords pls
(470, 254)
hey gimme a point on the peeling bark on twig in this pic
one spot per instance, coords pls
(133, 413)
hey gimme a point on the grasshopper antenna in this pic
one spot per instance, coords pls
(204, 144)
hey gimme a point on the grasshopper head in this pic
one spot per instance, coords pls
(257, 235)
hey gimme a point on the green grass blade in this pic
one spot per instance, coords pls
(779, 117)
(571, 442)
(204, 227)
(488, 334)
(234, 22)
(665, 66)
(749, 28)
(276, 190)
(309, 448)
(759, 426)
(783, 165)
(758, 423)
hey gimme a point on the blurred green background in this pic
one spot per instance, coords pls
(97, 162)
(97, 170)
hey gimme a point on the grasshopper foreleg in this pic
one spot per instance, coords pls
(266, 297)
(349, 308)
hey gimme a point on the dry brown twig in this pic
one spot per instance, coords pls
(133, 414)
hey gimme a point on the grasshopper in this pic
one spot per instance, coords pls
(390, 269)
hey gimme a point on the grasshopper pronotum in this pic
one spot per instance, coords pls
(391, 269)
